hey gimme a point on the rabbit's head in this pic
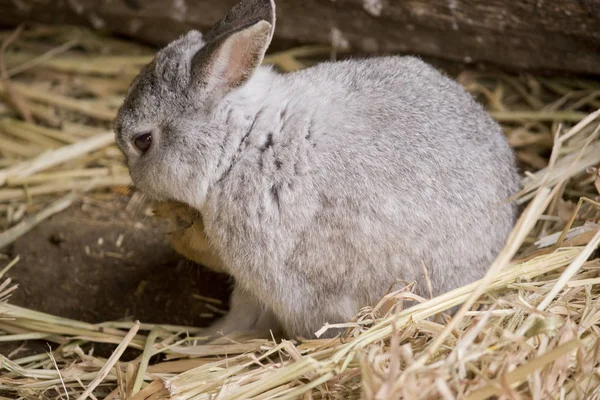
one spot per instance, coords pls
(167, 127)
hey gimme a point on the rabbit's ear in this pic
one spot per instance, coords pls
(242, 15)
(228, 63)
(235, 47)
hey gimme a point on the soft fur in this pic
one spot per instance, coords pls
(319, 189)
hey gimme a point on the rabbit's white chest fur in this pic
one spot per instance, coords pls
(321, 188)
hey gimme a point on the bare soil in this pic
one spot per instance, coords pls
(71, 266)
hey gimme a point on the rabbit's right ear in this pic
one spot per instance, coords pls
(235, 47)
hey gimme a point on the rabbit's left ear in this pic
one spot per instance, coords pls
(235, 47)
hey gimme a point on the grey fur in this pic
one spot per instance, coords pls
(320, 188)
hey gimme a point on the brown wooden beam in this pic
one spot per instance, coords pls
(555, 35)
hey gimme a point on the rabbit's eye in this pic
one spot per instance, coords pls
(143, 142)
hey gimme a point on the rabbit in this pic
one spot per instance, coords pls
(318, 189)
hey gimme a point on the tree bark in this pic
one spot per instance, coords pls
(552, 35)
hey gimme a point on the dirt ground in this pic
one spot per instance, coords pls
(72, 266)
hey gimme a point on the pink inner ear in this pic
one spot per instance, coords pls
(241, 54)
(240, 59)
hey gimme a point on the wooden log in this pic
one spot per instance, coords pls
(553, 35)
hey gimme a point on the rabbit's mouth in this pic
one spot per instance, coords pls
(148, 187)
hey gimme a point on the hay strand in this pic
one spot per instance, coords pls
(110, 363)
(58, 156)
(12, 234)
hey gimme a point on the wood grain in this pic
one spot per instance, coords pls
(553, 35)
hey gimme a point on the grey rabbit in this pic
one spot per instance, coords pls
(321, 188)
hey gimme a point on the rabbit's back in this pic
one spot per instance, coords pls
(410, 148)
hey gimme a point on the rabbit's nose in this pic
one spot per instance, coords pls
(143, 142)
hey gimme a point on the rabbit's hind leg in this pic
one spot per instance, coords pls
(247, 316)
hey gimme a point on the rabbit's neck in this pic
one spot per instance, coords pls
(244, 115)
(254, 94)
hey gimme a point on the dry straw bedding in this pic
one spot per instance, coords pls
(529, 329)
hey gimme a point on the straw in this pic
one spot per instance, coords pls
(528, 329)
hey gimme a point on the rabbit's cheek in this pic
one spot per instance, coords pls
(145, 180)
